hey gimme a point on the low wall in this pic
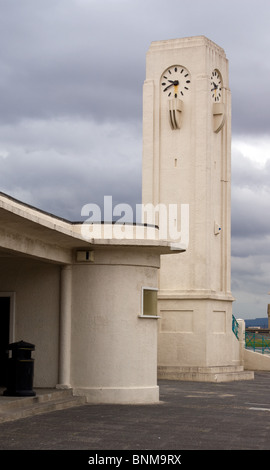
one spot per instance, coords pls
(256, 361)
(252, 360)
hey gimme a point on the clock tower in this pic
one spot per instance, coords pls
(186, 163)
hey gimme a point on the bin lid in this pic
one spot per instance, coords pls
(21, 345)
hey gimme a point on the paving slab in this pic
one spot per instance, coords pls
(190, 416)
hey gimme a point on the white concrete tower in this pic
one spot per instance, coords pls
(186, 160)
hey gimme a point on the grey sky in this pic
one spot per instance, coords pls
(71, 77)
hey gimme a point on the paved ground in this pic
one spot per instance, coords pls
(191, 416)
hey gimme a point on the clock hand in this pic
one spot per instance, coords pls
(165, 89)
(172, 83)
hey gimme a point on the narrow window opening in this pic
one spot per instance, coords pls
(149, 302)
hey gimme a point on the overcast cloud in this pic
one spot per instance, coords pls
(71, 77)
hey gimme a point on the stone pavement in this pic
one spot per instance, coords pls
(190, 416)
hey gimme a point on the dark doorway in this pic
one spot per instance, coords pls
(4, 338)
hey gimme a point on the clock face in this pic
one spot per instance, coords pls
(175, 81)
(216, 85)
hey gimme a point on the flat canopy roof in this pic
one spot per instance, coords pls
(32, 232)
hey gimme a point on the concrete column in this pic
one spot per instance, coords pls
(65, 327)
(242, 339)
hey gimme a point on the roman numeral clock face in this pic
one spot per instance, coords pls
(175, 82)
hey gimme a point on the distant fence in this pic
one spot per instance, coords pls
(257, 342)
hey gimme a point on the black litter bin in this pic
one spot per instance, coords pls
(20, 370)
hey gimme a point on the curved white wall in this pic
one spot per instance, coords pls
(114, 351)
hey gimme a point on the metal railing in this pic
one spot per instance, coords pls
(235, 327)
(257, 342)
